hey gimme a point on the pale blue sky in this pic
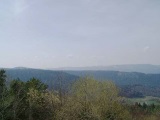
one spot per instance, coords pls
(61, 33)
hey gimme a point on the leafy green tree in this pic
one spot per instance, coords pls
(4, 104)
(2, 79)
(36, 84)
(144, 106)
(18, 96)
(93, 100)
(21, 105)
(42, 105)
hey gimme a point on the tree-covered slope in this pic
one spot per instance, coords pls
(132, 84)
(51, 78)
(142, 68)
(122, 78)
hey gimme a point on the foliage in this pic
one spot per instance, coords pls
(93, 100)
(122, 78)
(88, 99)
(144, 111)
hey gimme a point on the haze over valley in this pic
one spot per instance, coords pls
(79, 60)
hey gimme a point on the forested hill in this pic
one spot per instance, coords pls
(122, 78)
(51, 78)
(142, 68)
(148, 84)
(132, 84)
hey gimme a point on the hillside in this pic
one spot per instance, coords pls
(122, 78)
(142, 68)
(132, 84)
(51, 78)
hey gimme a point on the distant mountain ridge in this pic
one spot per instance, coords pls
(148, 84)
(142, 68)
(122, 78)
(51, 78)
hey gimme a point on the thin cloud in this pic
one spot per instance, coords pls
(21, 5)
(70, 56)
(146, 48)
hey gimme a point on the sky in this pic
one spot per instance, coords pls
(77, 33)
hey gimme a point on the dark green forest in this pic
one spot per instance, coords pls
(132, 84)
(84, 99)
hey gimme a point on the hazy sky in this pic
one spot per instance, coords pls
(60, 33)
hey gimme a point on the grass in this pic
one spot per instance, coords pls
(148, 100)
